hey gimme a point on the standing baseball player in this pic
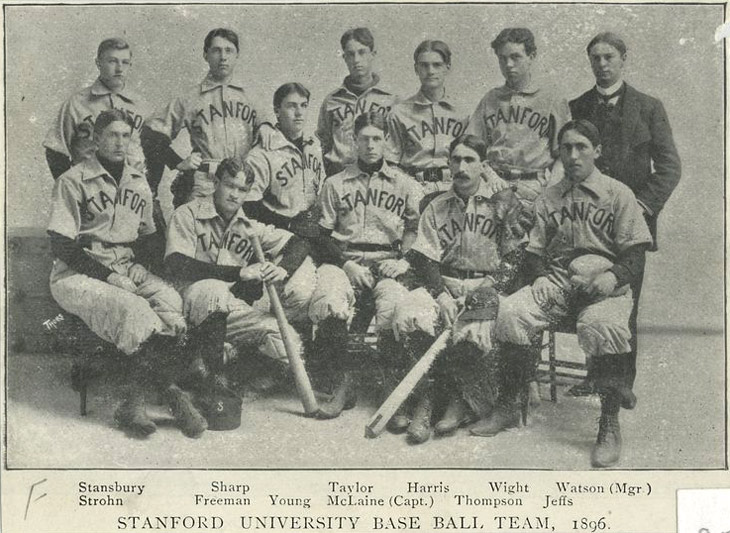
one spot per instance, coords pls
(101, 215)
(369, 219)
(71, 138)
(588, 242)
(220, 118)
(519, 121)
(466, 250)
(360, 92)
(421, 127)
(210, 258)
(637, 145)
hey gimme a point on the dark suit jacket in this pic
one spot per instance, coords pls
(647, 158)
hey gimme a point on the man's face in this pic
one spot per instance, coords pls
(291, 114)
(578, 155)
(515, 64)
(113, 67)
(221, 58)
(112, 143)
(466, 170)
(370, 142)
(607, 64)
(431, 69)
(358, 58)
(231, 191)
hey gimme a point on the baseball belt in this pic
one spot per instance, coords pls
(510, 174)
(368, 247)
(463, 274)
(429, 175)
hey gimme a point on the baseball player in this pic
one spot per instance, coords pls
(421, 127)
(369, 218)
(220, 119)
(466, 246)
(101, 214)
(210, 259)
(519, 120)
(589, 239)
(70, 140)
(360, 93)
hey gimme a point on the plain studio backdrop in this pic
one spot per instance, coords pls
(673, 55)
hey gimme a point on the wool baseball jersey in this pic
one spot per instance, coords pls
(72, 134)
(219, 117)
(105, 218)
(286, 179)
(420, 131)
(463, 235)
(196, 230)
(599, 215)
(335, 127)
(520, 128)
(376, 208)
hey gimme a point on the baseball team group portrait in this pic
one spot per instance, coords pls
(413, 236)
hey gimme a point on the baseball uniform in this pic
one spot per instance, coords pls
(72, 134)
(335, 127)
(220, 119)
(197, 231)
(367, 215)
(521, 131)
(106, 217)
(420, 132)
(596, 216)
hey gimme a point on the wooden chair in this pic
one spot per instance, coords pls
(556, 370)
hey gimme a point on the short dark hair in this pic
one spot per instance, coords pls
(228, 167)
(107, 117)
(288, 88)
(227, 34)
(585, 128)
(361, 35)
(515, 35)
(608, 38)
(113, 43)
(439, 47)
(371, 118)
(470, 141)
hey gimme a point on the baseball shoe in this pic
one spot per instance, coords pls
(607, 449)
(189, 420)
(501, 418)
(132, 416)
(456, 415)
(419, 430)
(343, 398)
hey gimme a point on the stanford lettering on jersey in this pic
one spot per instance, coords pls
(231, 108)
(598, 218)
(440, 125)
(125, 197)
(295, 164)
(234, 242)
(345, 111)
(472, 223)
(376, 198)
(520, 115)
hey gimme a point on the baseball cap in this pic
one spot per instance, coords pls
(481, 304)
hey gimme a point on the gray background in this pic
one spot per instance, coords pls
(672, 55)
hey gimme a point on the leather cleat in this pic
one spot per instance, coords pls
(132, 417)
(607, 449)
(501, 418)
(398, 423)
(419, 430)
(189, 419)
(457, 415)
(344, 398)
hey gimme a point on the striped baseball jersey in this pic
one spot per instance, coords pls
(376, 208)
(420, 131)
(286, 179)
(219, 117)
(463, 235)
(104, 217)
(599, 215)
(72, 134)
(196, 230)
(337, 117)
(520, 128)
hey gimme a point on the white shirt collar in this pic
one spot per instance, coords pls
(610, 90)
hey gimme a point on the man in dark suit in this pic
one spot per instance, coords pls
(638, 148)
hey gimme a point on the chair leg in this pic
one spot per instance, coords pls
(552, 364)
(82, 399)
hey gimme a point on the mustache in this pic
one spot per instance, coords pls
(461, 175)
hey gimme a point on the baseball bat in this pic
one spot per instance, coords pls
(301, 379)
(378, 421)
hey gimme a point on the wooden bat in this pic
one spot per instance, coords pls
(301, 379)
(378, 421)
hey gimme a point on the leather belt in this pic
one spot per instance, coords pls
(428, 175)
(463, 274)
(367, 247)
(517, 175)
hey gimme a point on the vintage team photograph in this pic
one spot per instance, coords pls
(417, 236)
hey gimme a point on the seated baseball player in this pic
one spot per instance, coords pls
(588, 242)
(101, 215)
(468, 248)
(369, 219)
(210, 258)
